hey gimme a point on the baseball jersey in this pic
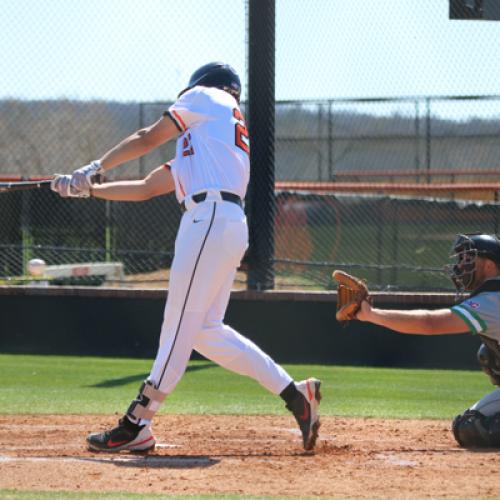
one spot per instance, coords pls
(213, 150)
(481, 312)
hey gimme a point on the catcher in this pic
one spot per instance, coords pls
(475, 269)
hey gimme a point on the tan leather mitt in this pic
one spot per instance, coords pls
(351, 291)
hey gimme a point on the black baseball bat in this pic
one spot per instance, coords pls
(7, 187)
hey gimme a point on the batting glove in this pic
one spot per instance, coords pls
(82, 177)
(63, 185)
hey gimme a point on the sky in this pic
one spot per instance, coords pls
(131, 50)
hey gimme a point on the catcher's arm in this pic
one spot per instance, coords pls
(418, 321)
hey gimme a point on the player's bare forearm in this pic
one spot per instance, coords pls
(121, 191)
(157, 183)
(140, 143)
(418, 321)
(131, 148)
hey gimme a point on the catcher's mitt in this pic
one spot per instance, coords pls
(351, 291)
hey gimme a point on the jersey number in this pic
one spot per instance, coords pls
(241, 138)
(187, 147)
(241, 133)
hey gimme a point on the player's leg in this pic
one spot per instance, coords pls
(479, 426)
(205, 252)
(231, 350)
(196, 279)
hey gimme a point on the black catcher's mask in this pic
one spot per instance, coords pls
(464, 252)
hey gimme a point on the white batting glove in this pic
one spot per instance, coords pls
(82, 177)
(63, 185)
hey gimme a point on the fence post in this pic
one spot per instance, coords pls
(417, 140)
(380, 239)
(428, 138)
(261, 117)
(26, 235)
(330, 142)
(108, 237)
(141, 125)
(395, 243)
(495, 220)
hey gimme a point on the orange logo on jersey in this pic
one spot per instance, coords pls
(241, 138)
(187, 147)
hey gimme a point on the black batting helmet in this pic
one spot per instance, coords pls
(216, 74)
(464, 251)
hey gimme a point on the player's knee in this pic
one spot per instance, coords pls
(472, 429)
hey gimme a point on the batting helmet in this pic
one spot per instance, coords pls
(216, 74)
(464, 251)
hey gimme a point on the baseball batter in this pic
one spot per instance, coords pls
(210, 174)
(476, 269)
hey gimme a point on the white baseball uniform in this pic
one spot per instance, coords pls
(211, 161)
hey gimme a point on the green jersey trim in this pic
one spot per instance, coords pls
(471, 318)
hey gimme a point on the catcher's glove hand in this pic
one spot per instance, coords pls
(351, 292)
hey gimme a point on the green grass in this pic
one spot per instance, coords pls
(81, 385)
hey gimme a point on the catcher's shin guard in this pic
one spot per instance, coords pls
(125, 436)
(305, 410)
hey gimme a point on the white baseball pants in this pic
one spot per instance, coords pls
(210, 244)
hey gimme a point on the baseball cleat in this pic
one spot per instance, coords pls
(125, 436)
(305, 410)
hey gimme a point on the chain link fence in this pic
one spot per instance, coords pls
(362, 154)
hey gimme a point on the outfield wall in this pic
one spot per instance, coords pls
(293, 327)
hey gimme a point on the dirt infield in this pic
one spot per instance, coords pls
(255, 455)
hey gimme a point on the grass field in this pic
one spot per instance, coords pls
(84, 385)
(69, 385)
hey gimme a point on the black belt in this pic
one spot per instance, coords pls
(233, 198)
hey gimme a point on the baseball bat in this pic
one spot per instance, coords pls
(7, 187)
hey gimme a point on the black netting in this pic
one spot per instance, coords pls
(344, 95)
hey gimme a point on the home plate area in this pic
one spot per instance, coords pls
(248, 455)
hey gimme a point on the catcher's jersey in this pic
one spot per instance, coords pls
(482, 313)
(213, 151)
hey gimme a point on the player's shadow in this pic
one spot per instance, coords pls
(116, 382)
(158, 461)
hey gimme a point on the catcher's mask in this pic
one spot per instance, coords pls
(216, 74)
(464, 252)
